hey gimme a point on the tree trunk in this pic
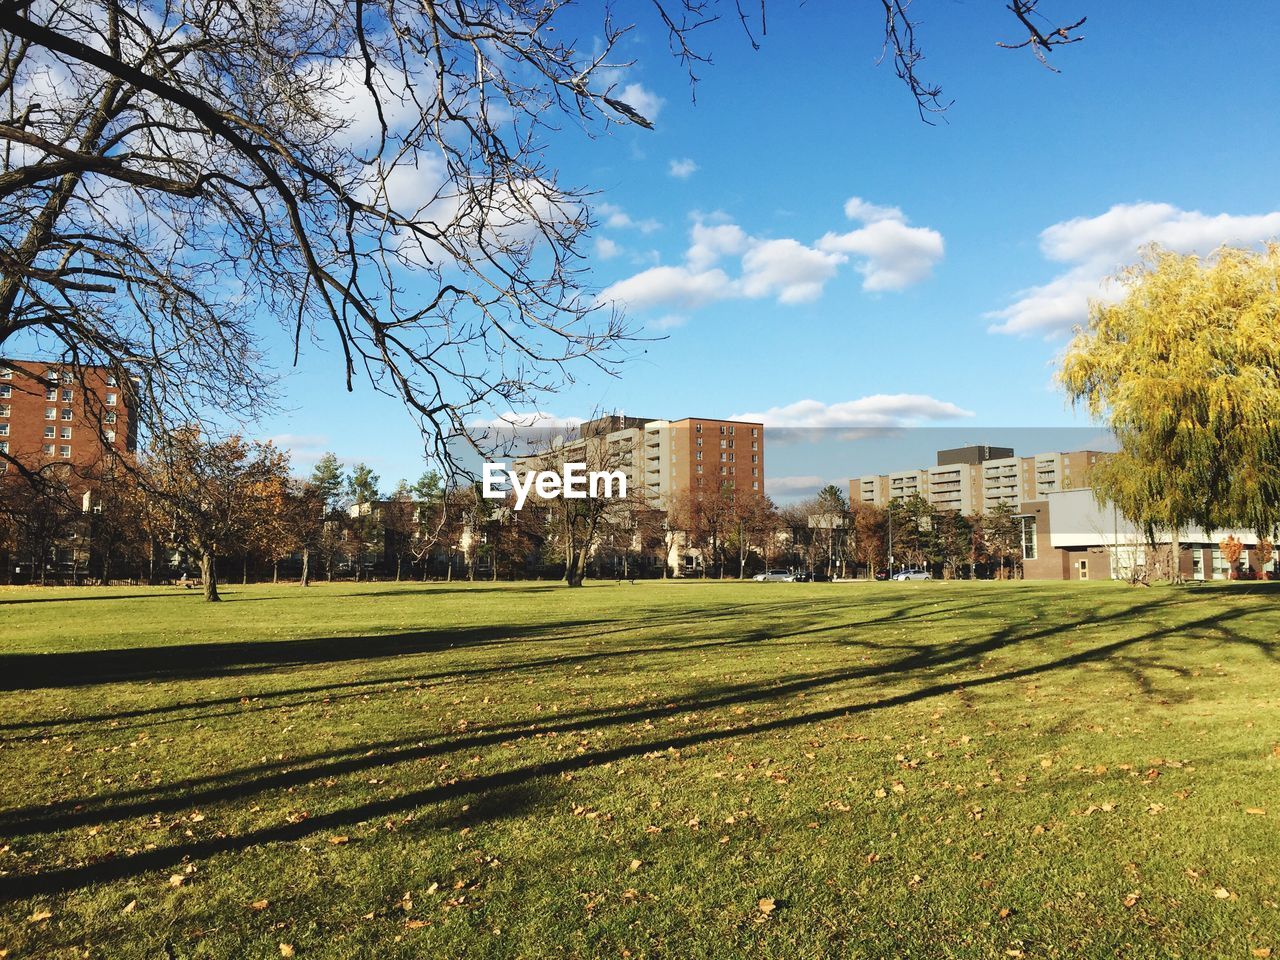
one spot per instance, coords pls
(244, 570)
(399, 560)
(209, 576)
(306, 567)
(275, 571)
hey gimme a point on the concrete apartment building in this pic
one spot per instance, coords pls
(50, 413)
(976, 479)
(665, 459)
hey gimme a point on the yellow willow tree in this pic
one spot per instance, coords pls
(1185, 370)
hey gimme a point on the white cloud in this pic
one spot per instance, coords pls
(615, 218)
(895, 255)
(789, 269)
(679, 287)
(890, 255)
(877, 410)
(527, 420)
(641, 99)
(793, 486)
(1095, 249)
(712, 242)
(606, 248)
(682, 169)
(855, 208)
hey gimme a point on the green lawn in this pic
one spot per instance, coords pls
(672, 770)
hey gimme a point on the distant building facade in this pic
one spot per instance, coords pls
(665, 460)
(977, 479)
(52, 414)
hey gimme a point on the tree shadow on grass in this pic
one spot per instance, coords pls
(949, 657)
(81, 668)
(186, 661)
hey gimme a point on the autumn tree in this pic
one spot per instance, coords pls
(1185, 370)
(1264, 552)
(870, 525)
(1232, 549)
(215, 492)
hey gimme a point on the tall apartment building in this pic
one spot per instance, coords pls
(667, 459)
(52, 414)
(977, 479)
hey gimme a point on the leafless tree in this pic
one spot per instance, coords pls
(176, 178)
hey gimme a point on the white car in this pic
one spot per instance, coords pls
(913, 575)
(775, 576)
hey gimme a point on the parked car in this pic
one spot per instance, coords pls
(913, 575)
(775, 576)
(882, 574)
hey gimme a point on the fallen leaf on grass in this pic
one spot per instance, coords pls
(767, 905)
(634, 866)
(1132, 899)
(339, 840)
(39, 916)
(177, 880)
(1222, 893)
(129, 907)
(258, 905)
(1262, 952)
(415, 924)
(286, 949)
(1256, 811)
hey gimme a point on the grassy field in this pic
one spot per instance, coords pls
(677, 770)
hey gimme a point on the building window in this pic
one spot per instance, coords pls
(66, 413)
(111, 399)
(4, 409)
(699, 441)
(722, 458)
(110, 435)
(755, 472)
(64, 450)
(111, 379)
(755, 432)
(4, 429)
(48, 448)
(697, 428)
(6, 391)
(723, 444)
(51, 393)
(49, 433)
(65, 433)
(6, 373)
(66, 376)
(698, 468)
(1028, 538)
(755, 458)
(51, 413)
(109, 416)
(698, 455)
(722, 429)
(755, 484)
(731, 431)
(66, 395)
(755, 444)
(4, 446)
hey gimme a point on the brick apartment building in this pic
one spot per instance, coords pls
(52, 414)
(666, 459)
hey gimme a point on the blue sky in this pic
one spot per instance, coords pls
(827, 260)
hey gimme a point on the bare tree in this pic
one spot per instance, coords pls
(176, 178)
